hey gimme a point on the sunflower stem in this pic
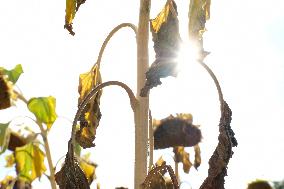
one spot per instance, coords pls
(46, 144)
(142, 111)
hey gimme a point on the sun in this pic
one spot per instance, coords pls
(187, 55)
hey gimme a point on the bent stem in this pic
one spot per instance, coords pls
(211, 73)
(46, 144)
(114, 30)
(88, 97)
(217, 84)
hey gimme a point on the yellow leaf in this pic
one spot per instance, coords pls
(7, 182)
(72, 7)
(10, 160)
(187, 117)
(91, 114)
(182, 156)
(160, 162)
(197, 159)
(29, 162)
(70, 12)
(44, 109)
(161, 18)
(88, 167)
(88, 80)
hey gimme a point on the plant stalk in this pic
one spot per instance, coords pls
(133, 102)
(110, 35)
(46, 144)
(48, 155)
(141, 113)
(176, 171)
(151, 141)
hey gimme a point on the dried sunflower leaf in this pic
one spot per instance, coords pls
(223, 152)
(166, 38)
(72, 6)
(197, 156)
(182, 156)
(156, 180)
(199, 12)
(160, 162)
(91, 115)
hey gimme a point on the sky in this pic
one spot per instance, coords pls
(246, 42)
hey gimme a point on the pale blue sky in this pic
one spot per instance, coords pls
(246, 40)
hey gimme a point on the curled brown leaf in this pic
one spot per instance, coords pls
(182, 156)
(166, 38)
(223, 152)
(197, 157)
(91, 115)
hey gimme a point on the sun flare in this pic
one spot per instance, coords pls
(187, 56)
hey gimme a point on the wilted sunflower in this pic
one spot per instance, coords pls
(176, 131)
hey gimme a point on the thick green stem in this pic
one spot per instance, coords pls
(141, 113)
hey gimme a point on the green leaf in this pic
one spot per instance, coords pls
(14, 74)
(29, 162)
(4, 136)
(44, 109)
(77, 149)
